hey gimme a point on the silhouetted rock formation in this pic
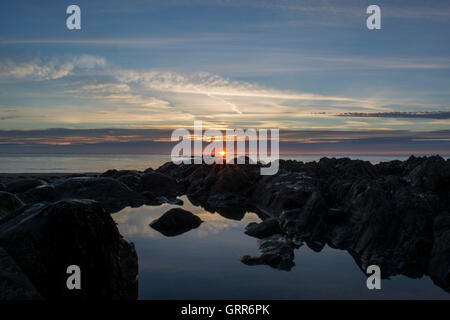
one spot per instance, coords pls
(175, 222)
(263, 229)
(394, 214)
(42, 240)
(277, 252)
(15, 285)
(128, 188)
(8, 203)
(23, 185)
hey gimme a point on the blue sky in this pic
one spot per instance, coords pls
(293, 65)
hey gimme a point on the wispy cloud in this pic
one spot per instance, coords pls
(116, 92)
(39, 69)
(146, 42)
(412, 114)
(214, 85)
(356, 8)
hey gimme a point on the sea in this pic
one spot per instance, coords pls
(77, 163)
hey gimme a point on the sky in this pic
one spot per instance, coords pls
(308, 67)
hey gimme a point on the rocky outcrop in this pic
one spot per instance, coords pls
(112, 194)
(220, 188)
(8, 203)
(175, 222)
(391, 214)
(160, 184)
(23, 185)
(439, 266)
(14, 284)
(276, 251)
(114, 189)
(263, 229)
(43, 239)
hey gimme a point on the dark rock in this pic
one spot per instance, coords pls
(263, 229)
(130, 180)
(112, 194)
(219, 187)
(308, 220)
(176, 221)
(179, 171)
(121, 173)
(381, 214)
(283, 191)
(345, 168)
(395, 167)
(161, 184)
(77, 175)
(109, 173)
(47, 238)
(45, 192)
(277, 252)
(14, 284)
(23, 185)
(229, 205)
(148, 170)
(432, 174)
(439, 267)
(2, 187)
(8, 203)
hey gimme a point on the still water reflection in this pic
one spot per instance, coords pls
(204, 264)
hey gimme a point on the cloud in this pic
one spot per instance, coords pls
(156, 141)
(348, 9)
(210, 84)
(39, 69)
(412, 114)
(157, 98)
(116, 92)
(204, 94)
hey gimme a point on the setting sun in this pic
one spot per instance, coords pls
(223, 153)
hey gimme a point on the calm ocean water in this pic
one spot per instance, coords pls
(43, 163)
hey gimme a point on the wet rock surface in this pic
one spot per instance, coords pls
(175, 222)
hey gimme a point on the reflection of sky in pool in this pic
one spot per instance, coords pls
(204, 264)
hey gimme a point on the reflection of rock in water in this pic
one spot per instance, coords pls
(231, 213)
(394, 214)
(175, 222)
(277, 252)
(264, 229)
